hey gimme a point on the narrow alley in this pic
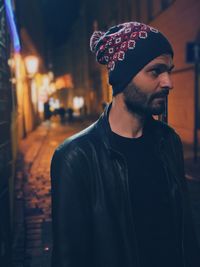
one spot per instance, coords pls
(32, 238)
(61, 63)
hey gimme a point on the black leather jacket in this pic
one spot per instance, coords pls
(93, 224)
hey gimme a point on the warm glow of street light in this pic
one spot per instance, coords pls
(78, 102)
(32, 64)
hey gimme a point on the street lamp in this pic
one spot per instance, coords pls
(32, 65)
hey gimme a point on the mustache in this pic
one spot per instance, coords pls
(163, 93)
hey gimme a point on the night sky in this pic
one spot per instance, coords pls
(59, 16)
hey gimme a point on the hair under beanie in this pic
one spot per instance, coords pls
(126, 49)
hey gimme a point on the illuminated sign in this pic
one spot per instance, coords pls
(13, 28)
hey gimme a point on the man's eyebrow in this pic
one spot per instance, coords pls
(161, 66)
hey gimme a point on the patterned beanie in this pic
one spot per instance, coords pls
(126, 49)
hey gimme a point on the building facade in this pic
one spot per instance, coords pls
(179, 21)
(6, 159)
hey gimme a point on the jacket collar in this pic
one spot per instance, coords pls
(157, 129)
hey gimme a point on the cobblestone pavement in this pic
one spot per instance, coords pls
(32, 238)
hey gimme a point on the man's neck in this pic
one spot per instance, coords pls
(124, 123)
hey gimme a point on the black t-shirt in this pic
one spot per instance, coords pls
(152, 208)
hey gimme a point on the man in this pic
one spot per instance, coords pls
(119, 196)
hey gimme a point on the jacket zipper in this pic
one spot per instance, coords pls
(131, 214)
(125, 170)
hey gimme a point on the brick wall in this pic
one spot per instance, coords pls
(180, 23)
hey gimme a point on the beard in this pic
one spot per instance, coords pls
(139, 102)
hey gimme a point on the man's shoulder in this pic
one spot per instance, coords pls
(166, 130)
(78, 141)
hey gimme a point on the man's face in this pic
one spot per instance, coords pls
(146, 93)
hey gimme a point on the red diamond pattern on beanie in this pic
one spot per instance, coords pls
(114, 46)
(121, 55)
(131, 44)
(143, 35)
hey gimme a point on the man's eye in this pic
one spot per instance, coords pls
(156, 72)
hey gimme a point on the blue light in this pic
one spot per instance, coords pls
(13, 28)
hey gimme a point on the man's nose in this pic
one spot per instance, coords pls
(166, 81)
